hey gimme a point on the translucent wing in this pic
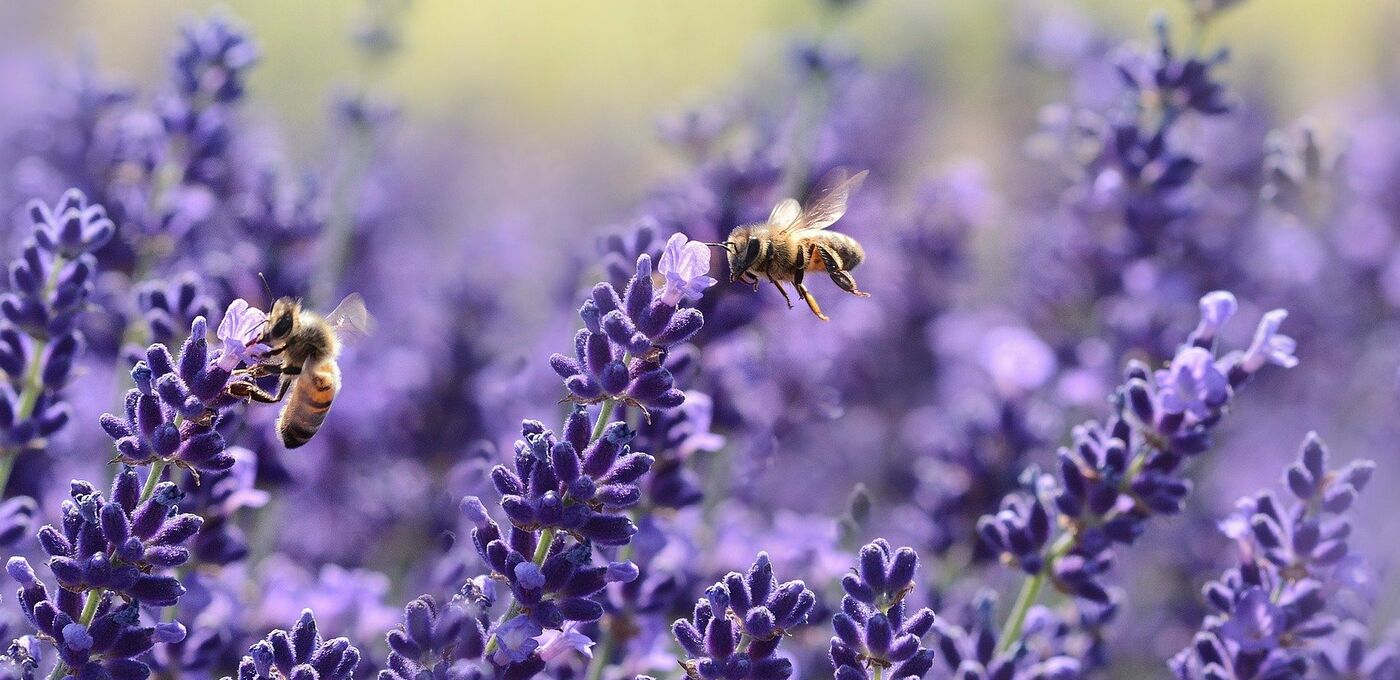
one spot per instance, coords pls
(830, 202)
(350, 318)
(785, 213)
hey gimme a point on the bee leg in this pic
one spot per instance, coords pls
(811, 301)
(259, 371)
(839, 276)
(750, 278)
(243, 390)
(779, 286)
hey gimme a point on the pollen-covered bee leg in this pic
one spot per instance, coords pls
(243, 390)
(777, 284)
(839, 276)
(259, 371)
(811, 301)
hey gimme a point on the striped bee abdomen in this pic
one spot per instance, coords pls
(308, 403)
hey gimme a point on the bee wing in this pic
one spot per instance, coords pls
(351, 318)
(830, 203)
(785, 213)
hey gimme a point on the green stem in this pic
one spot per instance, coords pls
(33, 384)
(879, 673)
(604, 415)
(7, 464)
(542, 550)
(157, 468)
(1030, 590)
(94, 598)
(605, 652)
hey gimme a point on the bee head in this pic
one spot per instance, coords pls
(742, 249)
(282, 321)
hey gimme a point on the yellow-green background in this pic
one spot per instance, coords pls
(544, 71)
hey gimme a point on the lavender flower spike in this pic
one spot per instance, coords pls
(750, 607)
(300, 654)
(874, 630)
(685, 264)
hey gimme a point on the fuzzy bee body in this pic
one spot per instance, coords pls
(794, 241)
(305, 347)
(315, 380)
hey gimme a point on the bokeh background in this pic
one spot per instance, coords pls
(497, 144)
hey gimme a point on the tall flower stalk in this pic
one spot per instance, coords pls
(1120, 474)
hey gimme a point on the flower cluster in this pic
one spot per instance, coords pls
(620, 351)
(104, 639)
(574, 484)
(556, 585)
(1049, 649)
(301, 654)
(1269, 610)
(1120, 474)
(39, 338)
(166, 308)
(1150, 166)
(931, 406)
(736, 628)
(429, 633)
(172, 412)
(209, 68)
(874, 629)
(115, 543)
(564, 496)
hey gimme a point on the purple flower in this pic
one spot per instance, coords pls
(73, 228)
(1216, 310)
(117, 542)
(685, 264)
(1270, 346)
(752, 606)
(239, 331)
(874, 629)
(555, 643)
(300, 653)
(1255, 622)
(1193, 384)
(517, 639)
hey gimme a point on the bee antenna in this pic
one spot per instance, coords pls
(266, 287)
(725, 245)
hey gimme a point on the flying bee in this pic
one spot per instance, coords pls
(793, 242)
(304, 347)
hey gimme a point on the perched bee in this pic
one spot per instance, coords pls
(793, 242)
(304, 346)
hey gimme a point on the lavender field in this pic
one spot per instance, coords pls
(444, 341)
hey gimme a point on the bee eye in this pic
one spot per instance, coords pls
(751, 252)
(282, 327)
